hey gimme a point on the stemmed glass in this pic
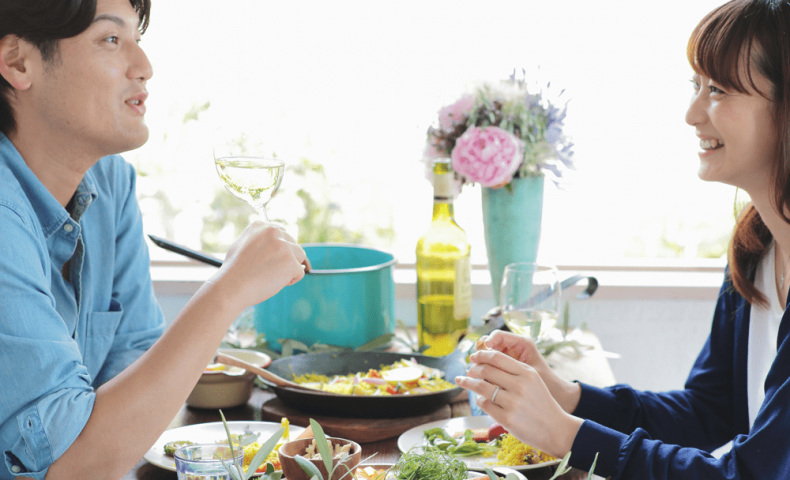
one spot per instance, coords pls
(530, 298)
(247, 166)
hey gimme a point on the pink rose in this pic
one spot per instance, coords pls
(489, 156)
(454, 114)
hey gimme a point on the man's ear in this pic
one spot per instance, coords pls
(14, 57)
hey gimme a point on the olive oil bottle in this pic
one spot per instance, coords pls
(444, 288)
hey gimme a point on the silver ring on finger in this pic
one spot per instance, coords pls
(493, 397)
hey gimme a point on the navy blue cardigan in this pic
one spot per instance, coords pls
(647, 435)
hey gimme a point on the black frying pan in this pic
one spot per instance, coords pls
(359, 406)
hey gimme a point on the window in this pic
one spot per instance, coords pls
(352, 87)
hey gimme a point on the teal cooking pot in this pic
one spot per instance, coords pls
(347, 299)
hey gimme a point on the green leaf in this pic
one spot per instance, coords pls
(321, 445)
(308, 467)
(264, 452)
(592, 468)
(375, 343)
(231, 470)
(276, 475)
(348, 470)
(230, 441)
(562, 468)
(491, 474)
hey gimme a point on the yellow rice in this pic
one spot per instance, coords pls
(513, 452)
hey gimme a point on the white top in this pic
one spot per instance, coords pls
(763, 332)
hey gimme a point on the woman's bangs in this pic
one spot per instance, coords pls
(719, 44)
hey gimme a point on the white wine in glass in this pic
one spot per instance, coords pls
(530, 298)
(253, 180)
(249, 170)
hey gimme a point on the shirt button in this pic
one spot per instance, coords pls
(68, 228)
(16, 469)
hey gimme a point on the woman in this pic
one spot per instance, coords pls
(739, 387)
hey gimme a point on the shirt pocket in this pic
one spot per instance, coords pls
(99, 339)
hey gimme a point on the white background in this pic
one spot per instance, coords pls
(354, 85)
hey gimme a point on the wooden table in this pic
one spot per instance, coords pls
(593, 369)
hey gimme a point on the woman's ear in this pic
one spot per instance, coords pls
(14, 58)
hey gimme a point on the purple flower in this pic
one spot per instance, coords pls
(489, 156)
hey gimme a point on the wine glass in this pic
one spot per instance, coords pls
(248, 167)
(530, 298)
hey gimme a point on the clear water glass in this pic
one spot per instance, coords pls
(204, 462)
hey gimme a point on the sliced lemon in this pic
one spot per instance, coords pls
(402, 375)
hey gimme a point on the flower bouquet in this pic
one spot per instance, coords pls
(504, 135)
(501, 132)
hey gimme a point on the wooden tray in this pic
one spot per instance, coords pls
(360, 430)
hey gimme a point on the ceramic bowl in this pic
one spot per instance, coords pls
(292, 470)
(230, 388)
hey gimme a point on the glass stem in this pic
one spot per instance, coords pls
(262, 213)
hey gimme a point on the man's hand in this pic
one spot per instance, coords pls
(262, 261)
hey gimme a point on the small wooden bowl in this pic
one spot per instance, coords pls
(219, 390)
(292, 470)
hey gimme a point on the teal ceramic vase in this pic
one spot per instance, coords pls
(511, 218)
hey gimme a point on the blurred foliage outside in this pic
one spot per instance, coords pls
(183, 199)
(311, 210)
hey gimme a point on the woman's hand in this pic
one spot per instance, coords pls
(523, 403)
(262, 261)
(524, 350)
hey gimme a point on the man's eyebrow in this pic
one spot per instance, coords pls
(112, 18)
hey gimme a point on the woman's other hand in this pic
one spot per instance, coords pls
(523, 403)
(524, 350)
(262, 261)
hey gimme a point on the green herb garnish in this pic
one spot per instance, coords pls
(428, 463)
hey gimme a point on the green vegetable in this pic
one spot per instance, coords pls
(434, 434)
(428, 463)
(171, 447)
(439, 438)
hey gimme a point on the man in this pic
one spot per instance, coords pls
(90, 380)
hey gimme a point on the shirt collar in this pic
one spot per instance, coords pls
(50, 213)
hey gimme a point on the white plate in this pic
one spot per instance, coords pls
(209, 433)
(415, 437)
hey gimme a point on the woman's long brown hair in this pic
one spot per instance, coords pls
(757, 31)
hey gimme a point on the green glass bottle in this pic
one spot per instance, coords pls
(444, 288)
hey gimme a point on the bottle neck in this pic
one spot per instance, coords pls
(442, 208)
(443, 193)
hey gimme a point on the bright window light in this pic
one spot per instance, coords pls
(352, 86)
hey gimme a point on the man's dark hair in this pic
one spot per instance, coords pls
(44, 23)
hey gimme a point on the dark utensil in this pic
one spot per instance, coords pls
(358, 406)
(187, 252)
(495, 314)
(202, 257)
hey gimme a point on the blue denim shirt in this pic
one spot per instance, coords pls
(62, 338)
